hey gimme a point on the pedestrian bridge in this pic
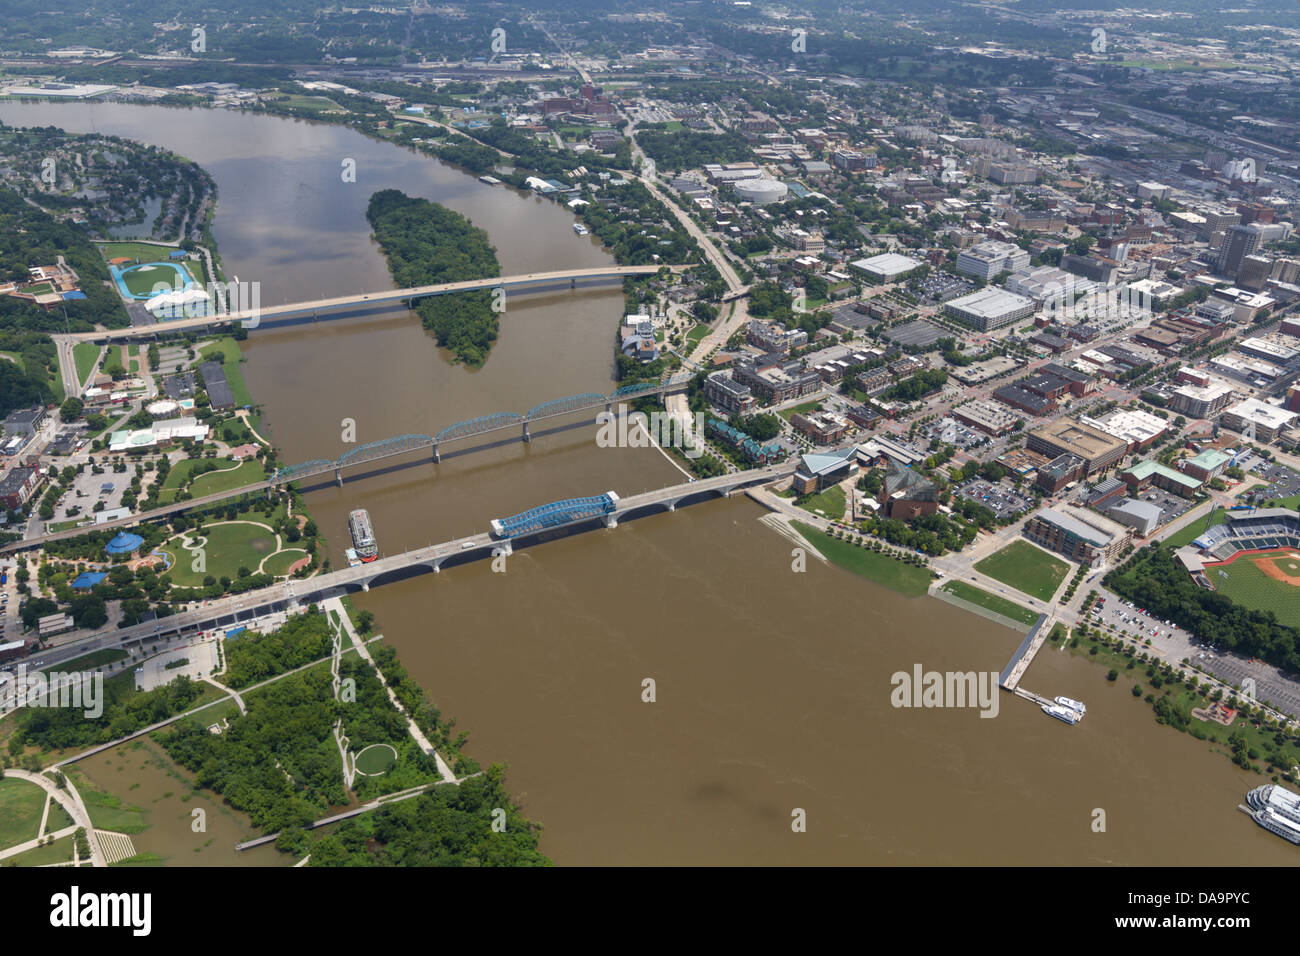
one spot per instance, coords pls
(379, 450)
(260, 315)
(469, 428)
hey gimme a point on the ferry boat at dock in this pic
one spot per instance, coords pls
(580, 229)
(1276, 809)
(490, 180)
(1066, 714)
(1076, 705)
(363, 535)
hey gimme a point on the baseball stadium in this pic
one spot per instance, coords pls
(1253, 558)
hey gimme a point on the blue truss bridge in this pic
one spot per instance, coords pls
(555, 515)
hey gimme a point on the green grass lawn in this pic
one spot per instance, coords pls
(21, 805)
(229, 476)
(160, 278)
(144, 251)
(990, 602)
(228, 547)
(1195, 530)
(66, 525)
(1250, 587)
(1026, 568)
(376, 759)
(113, 356)
(802, 409)
(85, 355)
(108, 812)
(280, 563)
(60, 851)
(304, 101)
(906, 579)
(94, 659)
(229, 348)
(58, 818)
(829, 503)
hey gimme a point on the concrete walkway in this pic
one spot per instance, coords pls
(70, 800)
(336, 605)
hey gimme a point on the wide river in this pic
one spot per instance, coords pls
(772, 687)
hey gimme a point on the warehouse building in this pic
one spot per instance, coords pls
(886, 267)
(1142, 516)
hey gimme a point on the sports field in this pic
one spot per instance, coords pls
(1026, 568)
(1264, 581)
(149, 278)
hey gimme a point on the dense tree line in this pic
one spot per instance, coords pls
(919, 385)
(126, 710)
(278, 763)
(445, 826)
(26, 383)
(31, 237)
(426, 243)
(1154, 580)
(256, 657)
(687, 149)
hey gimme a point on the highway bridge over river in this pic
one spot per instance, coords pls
(386, 448)
(536, 526)
(259, 315)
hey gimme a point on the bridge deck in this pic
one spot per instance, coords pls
(291, 309)
(225, 611)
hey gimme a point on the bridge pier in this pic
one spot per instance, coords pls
(611, 521)
(365, 585)
(503, 548)
(338, 476)
(573, 283)
(527, 437)
(436, 457)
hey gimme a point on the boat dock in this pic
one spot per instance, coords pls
(1009, 679)
(1030, 695)
(1024, 655)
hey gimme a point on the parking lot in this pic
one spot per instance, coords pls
(87, 489)
(953, 432)
(1176, 644)
(998, 498)
(1282, 481)
(1171, 504)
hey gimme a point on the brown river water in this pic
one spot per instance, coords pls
(772, 688)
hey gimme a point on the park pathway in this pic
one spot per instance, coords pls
(444, 771)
